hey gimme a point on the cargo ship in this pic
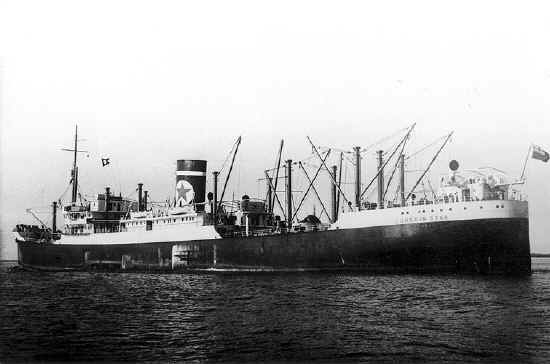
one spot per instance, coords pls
(476, 222)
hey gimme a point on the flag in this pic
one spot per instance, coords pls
(540, 154)
(105, 161)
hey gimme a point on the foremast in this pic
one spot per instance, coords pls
(76, 216)
(75, 168)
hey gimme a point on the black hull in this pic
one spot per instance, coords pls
(492, 246)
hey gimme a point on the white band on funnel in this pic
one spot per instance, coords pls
(190, 173)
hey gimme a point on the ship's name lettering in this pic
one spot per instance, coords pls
(424, 218)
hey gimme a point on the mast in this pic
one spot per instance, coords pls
(215, 204)
(380, 179)
(140, 197)
(289, 193)
(277, 174)
(402, 179)
(334, 208)
(54, 216)
(339, 182)
(75, 170)
(357, 177)
(269, 195)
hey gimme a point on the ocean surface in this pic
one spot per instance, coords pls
(274, 317)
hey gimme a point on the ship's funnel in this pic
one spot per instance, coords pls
(191, 183)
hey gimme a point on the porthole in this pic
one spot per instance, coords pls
(502, 206)
(402, 213)
(423, 211)
(450, 209)
(498, 206)
(464, 207)
(480, 207)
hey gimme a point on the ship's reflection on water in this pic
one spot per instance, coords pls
(329, 317)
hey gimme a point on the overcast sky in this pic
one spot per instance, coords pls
(152, 82)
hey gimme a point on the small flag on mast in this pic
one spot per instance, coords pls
(540, 154)
(105, 161)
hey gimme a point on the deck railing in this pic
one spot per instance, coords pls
(444, 201)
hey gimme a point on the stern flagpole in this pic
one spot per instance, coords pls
(525, 162)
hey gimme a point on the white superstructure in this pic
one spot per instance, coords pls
(475, 195)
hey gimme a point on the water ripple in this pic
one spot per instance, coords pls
(279, 317)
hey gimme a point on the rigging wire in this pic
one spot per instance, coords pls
(64, 192)
(396, 165)
(380, 141)
(227, 157)
(426, 147)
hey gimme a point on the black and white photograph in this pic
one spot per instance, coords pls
(274, 181)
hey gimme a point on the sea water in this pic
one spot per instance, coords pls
(274, 317)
